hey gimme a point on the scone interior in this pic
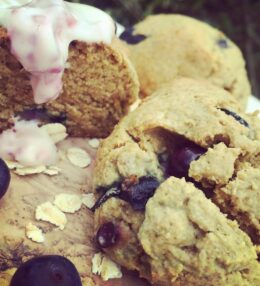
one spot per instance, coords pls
(167, 182)
(99, 85)
(163, 47)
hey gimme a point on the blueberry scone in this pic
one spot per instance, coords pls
(177, 186)
(163, 47)
(70, 68)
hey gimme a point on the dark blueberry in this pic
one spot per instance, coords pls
(107, 235)
(223, 43)
(131, 39)
(4, 178)
(49, 270)
(181, 157)
(113, 191)
(42, 115)
(138, 194)
(34, 114)
(235, 116)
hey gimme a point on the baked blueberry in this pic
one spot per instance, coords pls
(181, 157)
(223, 43)
(235, 116)
(130, 38)
(107, 235)
(113, 191)
(4, 178)
(49, 270)
(42, 115)
(138, 194)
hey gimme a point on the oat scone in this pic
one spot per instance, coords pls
(181, 151)
(163, 47)
(98, 81)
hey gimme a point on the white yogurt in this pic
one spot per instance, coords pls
(27, 144)
(40, 34)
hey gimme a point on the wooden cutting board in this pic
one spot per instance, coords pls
(75, 242)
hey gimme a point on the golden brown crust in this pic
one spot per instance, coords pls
(177, 45)
(153, 241)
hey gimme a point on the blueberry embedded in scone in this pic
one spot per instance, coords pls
(190, 139)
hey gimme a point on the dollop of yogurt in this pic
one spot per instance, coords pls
(40, 33)
(27, 144)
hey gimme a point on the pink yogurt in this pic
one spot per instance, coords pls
(40, 34)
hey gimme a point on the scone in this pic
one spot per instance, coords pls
(163, 47)
(175, 181)
(88, 88)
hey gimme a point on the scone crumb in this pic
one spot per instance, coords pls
(24, 171)
(78, 157)
(6, 276)
(56, 131)
(50, 213)
(34, 233)
(94, 143)
(106, 268)
(68, 203)
(88, 200)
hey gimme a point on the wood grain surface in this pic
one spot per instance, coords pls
(75, 242)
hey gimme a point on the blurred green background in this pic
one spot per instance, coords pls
(239, 19)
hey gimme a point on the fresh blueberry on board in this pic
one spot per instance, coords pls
(4, 178)
(48, 270)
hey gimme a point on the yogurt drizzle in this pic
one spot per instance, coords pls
(40, 33)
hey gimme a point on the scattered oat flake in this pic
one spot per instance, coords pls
(52, 170)
(94, 143)
(34, 233)
(88, 200)
(78, 157)
(56, 131)
(106, 268)
(50, 213)
(68, 203)
(135, 105)
(24, 171)
(13, 165)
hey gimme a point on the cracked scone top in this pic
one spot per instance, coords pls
(163, 47)
(192, 155)
(70, 65)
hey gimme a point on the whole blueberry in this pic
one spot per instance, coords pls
(4, 178)
(49, 270)
(181, 158)
(107, 235)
